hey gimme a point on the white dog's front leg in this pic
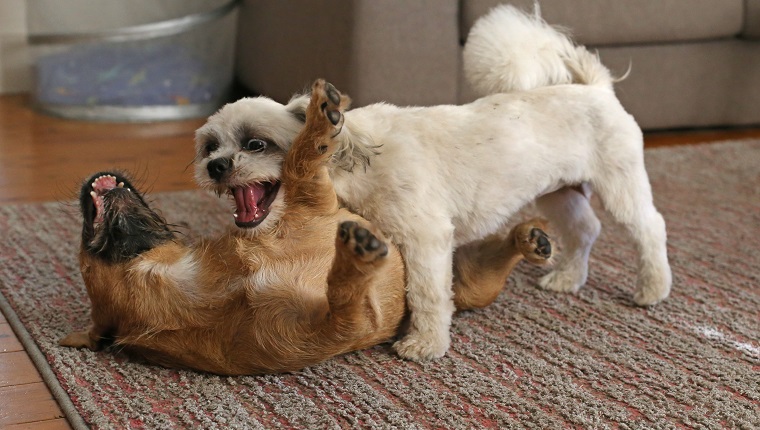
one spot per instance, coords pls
(429, 297)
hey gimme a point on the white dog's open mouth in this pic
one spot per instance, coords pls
(252, 202)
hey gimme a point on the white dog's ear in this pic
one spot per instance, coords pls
(297, 106)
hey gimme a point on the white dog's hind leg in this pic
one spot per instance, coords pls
(627, 195)
(429, 263)
(571, 216)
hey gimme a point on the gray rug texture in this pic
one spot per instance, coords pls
(533, 359)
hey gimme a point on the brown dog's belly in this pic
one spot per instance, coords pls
(250, 306)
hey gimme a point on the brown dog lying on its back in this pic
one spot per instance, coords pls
(272, 301)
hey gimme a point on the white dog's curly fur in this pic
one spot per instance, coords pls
(435, 178)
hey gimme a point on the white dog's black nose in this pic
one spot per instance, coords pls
(219, 167)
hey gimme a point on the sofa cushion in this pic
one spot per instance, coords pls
(399, 51)
(624, 22)
(696, 84)
(752, 19)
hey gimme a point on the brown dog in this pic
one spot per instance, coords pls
(273, 301)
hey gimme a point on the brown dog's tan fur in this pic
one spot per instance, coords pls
(280, 300)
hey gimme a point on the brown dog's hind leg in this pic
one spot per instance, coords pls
(359, 254)
(481, 268)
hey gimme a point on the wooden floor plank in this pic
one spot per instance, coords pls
(8, 340)
(45, 158)
(682, 137)
(27, 403)
(56, 424)
(16, 368)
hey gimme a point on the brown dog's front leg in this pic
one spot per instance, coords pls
(305, 172)
(358, 255)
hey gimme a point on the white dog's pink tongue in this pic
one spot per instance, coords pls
(245, 201)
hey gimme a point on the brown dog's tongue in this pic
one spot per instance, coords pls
(246, 199)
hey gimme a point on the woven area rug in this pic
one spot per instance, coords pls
(533, 359)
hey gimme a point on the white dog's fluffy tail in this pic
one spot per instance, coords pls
(509, 50)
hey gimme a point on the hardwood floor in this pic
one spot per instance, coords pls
(44, 158)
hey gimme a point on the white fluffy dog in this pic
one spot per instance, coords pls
(435, 178)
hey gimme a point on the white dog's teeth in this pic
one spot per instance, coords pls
(93, 194)
(121, 185)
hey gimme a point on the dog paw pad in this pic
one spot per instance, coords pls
(332, 93)
(541, 242)
(534, 244)
(361, 241)
(330, 101)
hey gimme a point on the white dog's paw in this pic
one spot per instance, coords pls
(563, 281)
(418, 346)
(651, 290)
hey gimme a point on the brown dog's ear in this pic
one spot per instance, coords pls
(80, 339)
(297, 106)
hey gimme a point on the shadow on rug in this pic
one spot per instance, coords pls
(532, 359)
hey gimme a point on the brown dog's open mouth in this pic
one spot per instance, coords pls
(117, 224)
(100, 186)
(252, 202)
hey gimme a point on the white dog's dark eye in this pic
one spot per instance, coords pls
(210, 147)
(254, 145)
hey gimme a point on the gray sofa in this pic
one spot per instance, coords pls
(694, 63)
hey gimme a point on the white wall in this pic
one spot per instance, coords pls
(15, 63)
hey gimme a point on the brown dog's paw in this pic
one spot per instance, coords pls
(329, 104)
(361, 242)
(533, 242)
(332, 109)
(79, 339)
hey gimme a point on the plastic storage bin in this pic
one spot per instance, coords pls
(115, 66)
